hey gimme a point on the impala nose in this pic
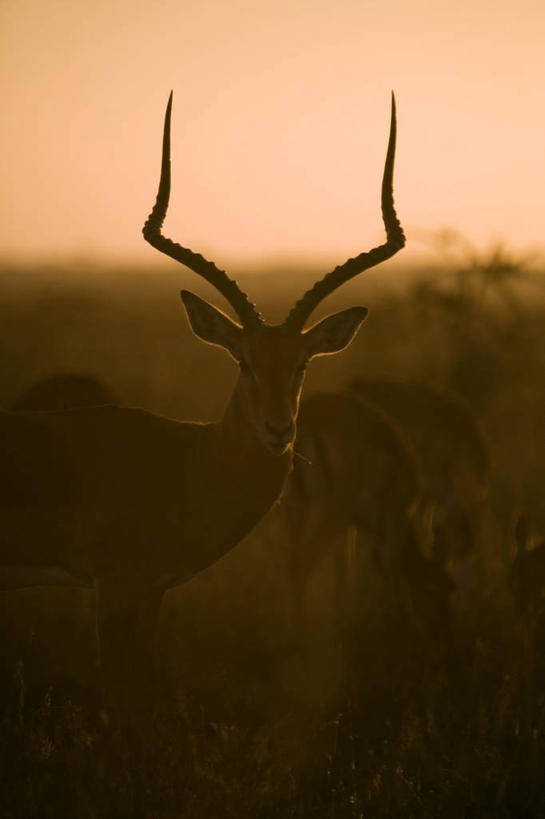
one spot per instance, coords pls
(279, 436)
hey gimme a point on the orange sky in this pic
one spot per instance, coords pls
(279, 126)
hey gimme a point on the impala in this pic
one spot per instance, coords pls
(63, 391)
(133, 503)
(358, 471)
(452, 455)
(527, 577)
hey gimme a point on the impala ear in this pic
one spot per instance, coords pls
(212, 325)
(334, 333)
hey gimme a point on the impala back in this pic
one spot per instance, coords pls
(354, 469)
(452, 455)
(82, 488)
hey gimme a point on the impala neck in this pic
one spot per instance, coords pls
(235, 482)
(245, 453)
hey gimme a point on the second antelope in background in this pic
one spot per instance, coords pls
(62, 391)
(358, 471)
(454, 465)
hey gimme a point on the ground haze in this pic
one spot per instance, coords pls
(252, 719)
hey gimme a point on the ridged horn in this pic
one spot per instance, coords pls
(395, 240)
(238, 300)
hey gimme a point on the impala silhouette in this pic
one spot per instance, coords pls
(133, 503)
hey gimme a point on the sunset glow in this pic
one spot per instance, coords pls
(280, 124)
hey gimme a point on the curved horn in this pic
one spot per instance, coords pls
(152, 233)
(395, 240)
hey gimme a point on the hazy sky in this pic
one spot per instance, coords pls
(280, 123)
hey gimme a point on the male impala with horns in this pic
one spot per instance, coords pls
(133, 503)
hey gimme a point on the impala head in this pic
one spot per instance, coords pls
(272, 359)
(272, 362)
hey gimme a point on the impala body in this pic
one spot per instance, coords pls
(452, 456)
(132, 502)
(110, 491)
(359, 470)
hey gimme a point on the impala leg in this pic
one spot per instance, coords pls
(126, 624)
(303, 546)
(428, 585)
(390, 550)
(343, 555)
(307, 549)
(299, 573)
